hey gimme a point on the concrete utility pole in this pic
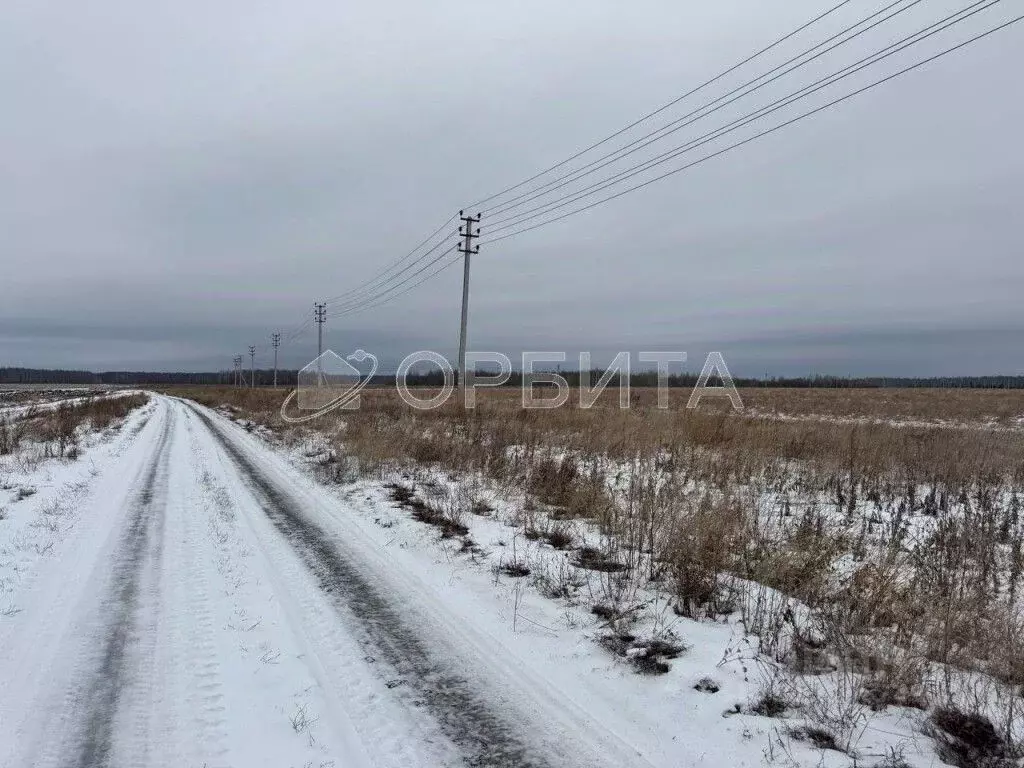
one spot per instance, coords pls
(238, 370)
(467, 249)
(275, 342)
(320, 315)
(252, 366)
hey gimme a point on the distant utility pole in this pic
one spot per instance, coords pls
(320, 315)
(252, 366)
(467, 249)
(275, 342)
(238, 369)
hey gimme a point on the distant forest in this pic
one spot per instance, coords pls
(639, 379)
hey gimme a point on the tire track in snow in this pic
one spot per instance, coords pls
(278, 615)
(484, 737)
(121, 606)
(204, 696)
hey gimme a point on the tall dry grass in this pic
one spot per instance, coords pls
(55, 431)
(900, 534)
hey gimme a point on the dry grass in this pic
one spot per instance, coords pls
(54, 431)
(964, 406)
(900, 535)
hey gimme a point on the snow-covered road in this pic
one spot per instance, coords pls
(211, 606)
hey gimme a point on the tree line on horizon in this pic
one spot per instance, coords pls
(288, 378)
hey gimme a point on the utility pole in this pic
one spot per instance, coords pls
(252, 366)
(275, 342)
(238, 370)
(466, 249)
(320, 315)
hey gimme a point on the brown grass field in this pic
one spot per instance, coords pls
(894, 516)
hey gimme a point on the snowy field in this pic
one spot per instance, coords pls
(186, 591)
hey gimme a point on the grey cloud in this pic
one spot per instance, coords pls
(181, 179)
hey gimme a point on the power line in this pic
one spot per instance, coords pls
(749, 118)
(662, 108)
(502, 224)
(769, 131)
(403, 271)
(385, 276)
(935, 28)
(383, 288)
(389, 275)
(761, 112)
(385, 271)
(362, 308)
(359, 302)
(295, 332)
(684, 121)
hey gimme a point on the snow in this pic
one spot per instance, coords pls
(187, 593)
(989, 424)
(668, 721)
(50, 399)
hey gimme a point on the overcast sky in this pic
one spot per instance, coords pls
(179, 179)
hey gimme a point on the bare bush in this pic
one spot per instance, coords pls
(56, 431)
